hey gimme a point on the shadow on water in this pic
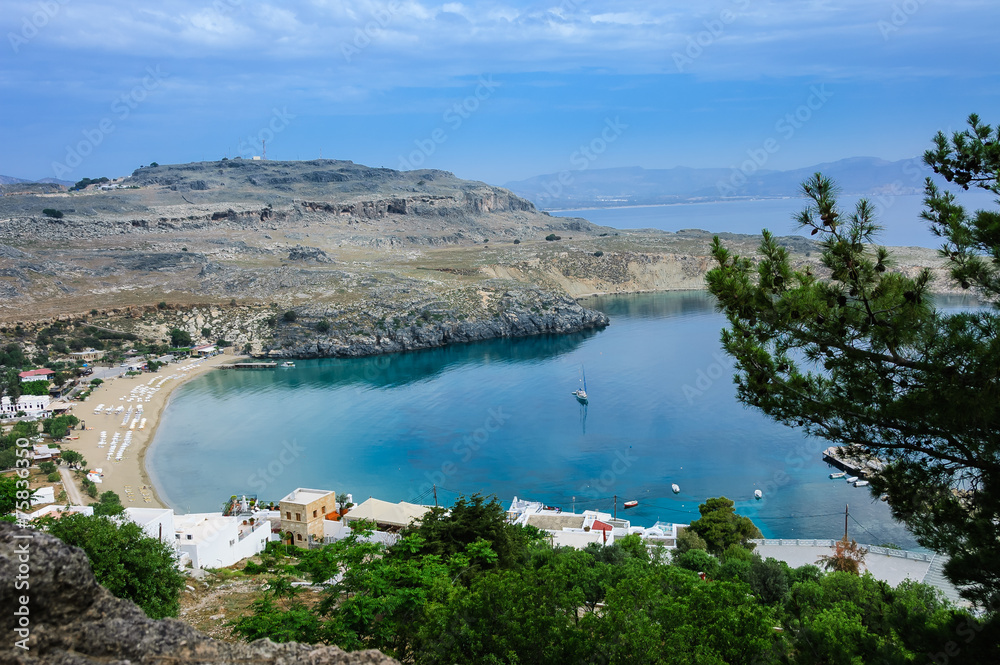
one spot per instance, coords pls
(653, 305)
(394, 370)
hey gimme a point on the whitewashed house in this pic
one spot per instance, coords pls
(33, 406)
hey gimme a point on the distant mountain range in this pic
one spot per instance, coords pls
(10, 180)
(865, 176)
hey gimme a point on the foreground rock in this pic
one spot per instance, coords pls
(75, 621)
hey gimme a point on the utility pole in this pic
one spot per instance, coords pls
(574, 505)
(847, 508)
(264, 149)
(435, 496)
(616, 506)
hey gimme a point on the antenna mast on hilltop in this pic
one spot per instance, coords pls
(264, 150)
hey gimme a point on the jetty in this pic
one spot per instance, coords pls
(260, 365)
(838, 457)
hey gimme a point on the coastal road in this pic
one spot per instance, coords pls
(72, 491)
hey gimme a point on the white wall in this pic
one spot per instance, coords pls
(215, 539)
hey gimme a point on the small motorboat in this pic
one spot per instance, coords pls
(861, 483)
(852, 479)
(630, 504)
(757, 494)
(675, 488)
(288, 363)
(839, 474)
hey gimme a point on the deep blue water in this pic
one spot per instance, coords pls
(898, 215)
(497, 417)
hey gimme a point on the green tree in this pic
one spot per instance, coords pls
(690, 540)
(863, 359)
(180, 338)
(59, 426)
(719, 526)
(47, 467)
(109, 504)
(446, 532)
(126, 561)
(35, 388)
(73, 458)
(11, 495)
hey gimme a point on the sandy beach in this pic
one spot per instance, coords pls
(127, 477)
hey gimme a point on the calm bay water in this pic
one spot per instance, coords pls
(497, 417)
(898, 215)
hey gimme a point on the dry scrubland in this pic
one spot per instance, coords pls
(371, 260)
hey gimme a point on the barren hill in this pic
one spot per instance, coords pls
(370, 260)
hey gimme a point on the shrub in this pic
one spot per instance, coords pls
(289, 316)
(53, 477)
(52, 212)
(323, 326)
(47, 467)
(517, 241)
(552, 236)
(598, 253)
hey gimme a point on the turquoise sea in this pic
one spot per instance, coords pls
(498, 417)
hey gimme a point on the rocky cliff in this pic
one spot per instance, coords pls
(71, 620)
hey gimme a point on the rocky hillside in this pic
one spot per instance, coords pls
(73, 620)
(367, 260)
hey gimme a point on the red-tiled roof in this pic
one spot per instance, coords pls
(35, 372)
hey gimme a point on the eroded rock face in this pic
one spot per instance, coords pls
(72, 620)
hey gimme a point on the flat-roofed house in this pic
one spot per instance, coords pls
(302, 513)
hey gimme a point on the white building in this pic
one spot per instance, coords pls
(156, 522)
(55, 511)
(33, 406)
(581, 529)
(213, 540)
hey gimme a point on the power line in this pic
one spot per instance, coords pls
(866, 529)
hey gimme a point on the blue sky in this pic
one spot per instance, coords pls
(493, 91)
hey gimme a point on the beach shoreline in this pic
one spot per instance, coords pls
(130, 473)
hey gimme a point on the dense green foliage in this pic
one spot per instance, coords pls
(52, 212)
(109, 504)
(86, 182)
(720, 527)
(467, 587)
(863, 358)
(126, 561)
(180, 338)
(73, 459)
(8, 442)
(59, 426)
(35, 388)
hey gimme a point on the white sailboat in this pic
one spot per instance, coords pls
(581, 393)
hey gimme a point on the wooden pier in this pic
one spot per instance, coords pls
(261, 365)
